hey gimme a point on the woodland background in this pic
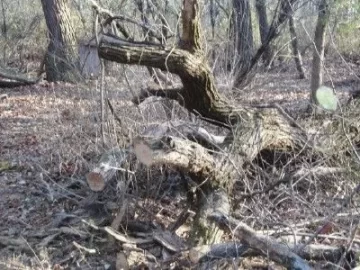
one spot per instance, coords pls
(146, 134)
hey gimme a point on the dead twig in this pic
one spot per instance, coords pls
(82, 248)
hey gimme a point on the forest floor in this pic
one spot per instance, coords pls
(50, 137)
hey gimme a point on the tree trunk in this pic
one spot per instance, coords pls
(246, 75)
(213, 16)
(260, 6)
(295, 48)
(61, 63)
(319, 46)
(243, 34)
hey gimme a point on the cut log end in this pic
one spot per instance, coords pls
(95, 181)
(106, 169)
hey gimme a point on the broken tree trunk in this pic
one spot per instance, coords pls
(211, 176)
(253, 129)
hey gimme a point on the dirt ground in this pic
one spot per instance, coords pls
(50, 137)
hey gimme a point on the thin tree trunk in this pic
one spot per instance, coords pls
(243, 34)
(319, 46)
(246, 75)
(213, 16)
(4, 29)
(260, 6)
(295, 48)
(61, 63)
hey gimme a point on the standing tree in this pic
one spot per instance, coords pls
(260, 6)
(319, 48)
(243, 34)
(61, 61)
(284, 9)
(295, 48)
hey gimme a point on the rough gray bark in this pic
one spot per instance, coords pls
(243, 34)
(260, 6)
(295, 48)
(61, 63)
(319, 47)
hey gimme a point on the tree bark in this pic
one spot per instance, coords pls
(61, 63)
(260, 6)
(295, 48)
(243, 34)
(319, 46)
(246, 75)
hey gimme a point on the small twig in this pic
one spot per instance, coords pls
(3, 97)
(180, 220)
(102, 79)
(92, 225)
(82, 248)
(114, 113)
(119, 236)
(126, 239)
(46, 241)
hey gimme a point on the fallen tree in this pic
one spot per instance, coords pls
(11, 80)
(251, 130)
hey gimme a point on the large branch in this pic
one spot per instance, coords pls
(268, 246)
(232, 249)
(15, 80)
(199, 93)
